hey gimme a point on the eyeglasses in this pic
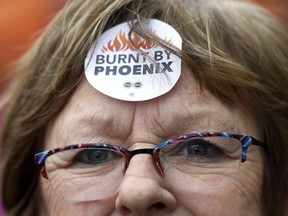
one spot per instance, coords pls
(94, 171)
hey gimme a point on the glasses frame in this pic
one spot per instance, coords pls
(246, 142)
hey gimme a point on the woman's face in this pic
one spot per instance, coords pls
(91, 116)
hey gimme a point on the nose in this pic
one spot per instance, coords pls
(142, 190)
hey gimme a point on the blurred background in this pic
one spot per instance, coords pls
(22, 21)
(20, 24)
(278, 7)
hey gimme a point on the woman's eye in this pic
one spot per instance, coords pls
(199, 148)
(91, 156)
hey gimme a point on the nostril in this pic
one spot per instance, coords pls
(124, 210)
(158, 206)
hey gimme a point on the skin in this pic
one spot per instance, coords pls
(90, 115)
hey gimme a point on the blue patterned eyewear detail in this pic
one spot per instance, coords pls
(208, 159)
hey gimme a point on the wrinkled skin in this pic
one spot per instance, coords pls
(184, 109)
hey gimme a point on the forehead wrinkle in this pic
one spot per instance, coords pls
(205, 115)
(189, 118)
(87, 127)
(98, 124)
(195, 113)
(219, 117)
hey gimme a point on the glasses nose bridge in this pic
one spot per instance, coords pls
(155, 155)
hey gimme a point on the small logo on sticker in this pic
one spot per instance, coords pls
(127, 84)
(138, 85)
(115, 58)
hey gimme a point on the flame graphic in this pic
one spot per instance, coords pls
(122, 43)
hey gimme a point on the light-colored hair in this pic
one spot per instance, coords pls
(236, 50)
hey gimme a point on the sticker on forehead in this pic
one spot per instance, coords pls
(134, 71)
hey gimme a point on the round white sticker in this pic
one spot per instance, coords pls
(114, 68)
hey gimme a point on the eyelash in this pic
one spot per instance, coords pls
(218, 153)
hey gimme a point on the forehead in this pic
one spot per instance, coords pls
(91, 115)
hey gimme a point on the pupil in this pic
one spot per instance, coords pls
(97, 156)
(197, 150)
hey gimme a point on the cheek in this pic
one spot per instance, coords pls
(241, 198)
(228, 201)
(56, 206)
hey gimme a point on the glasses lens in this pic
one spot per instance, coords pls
(202, 163)
(85, 174)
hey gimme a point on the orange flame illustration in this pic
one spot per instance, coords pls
(122, 43)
